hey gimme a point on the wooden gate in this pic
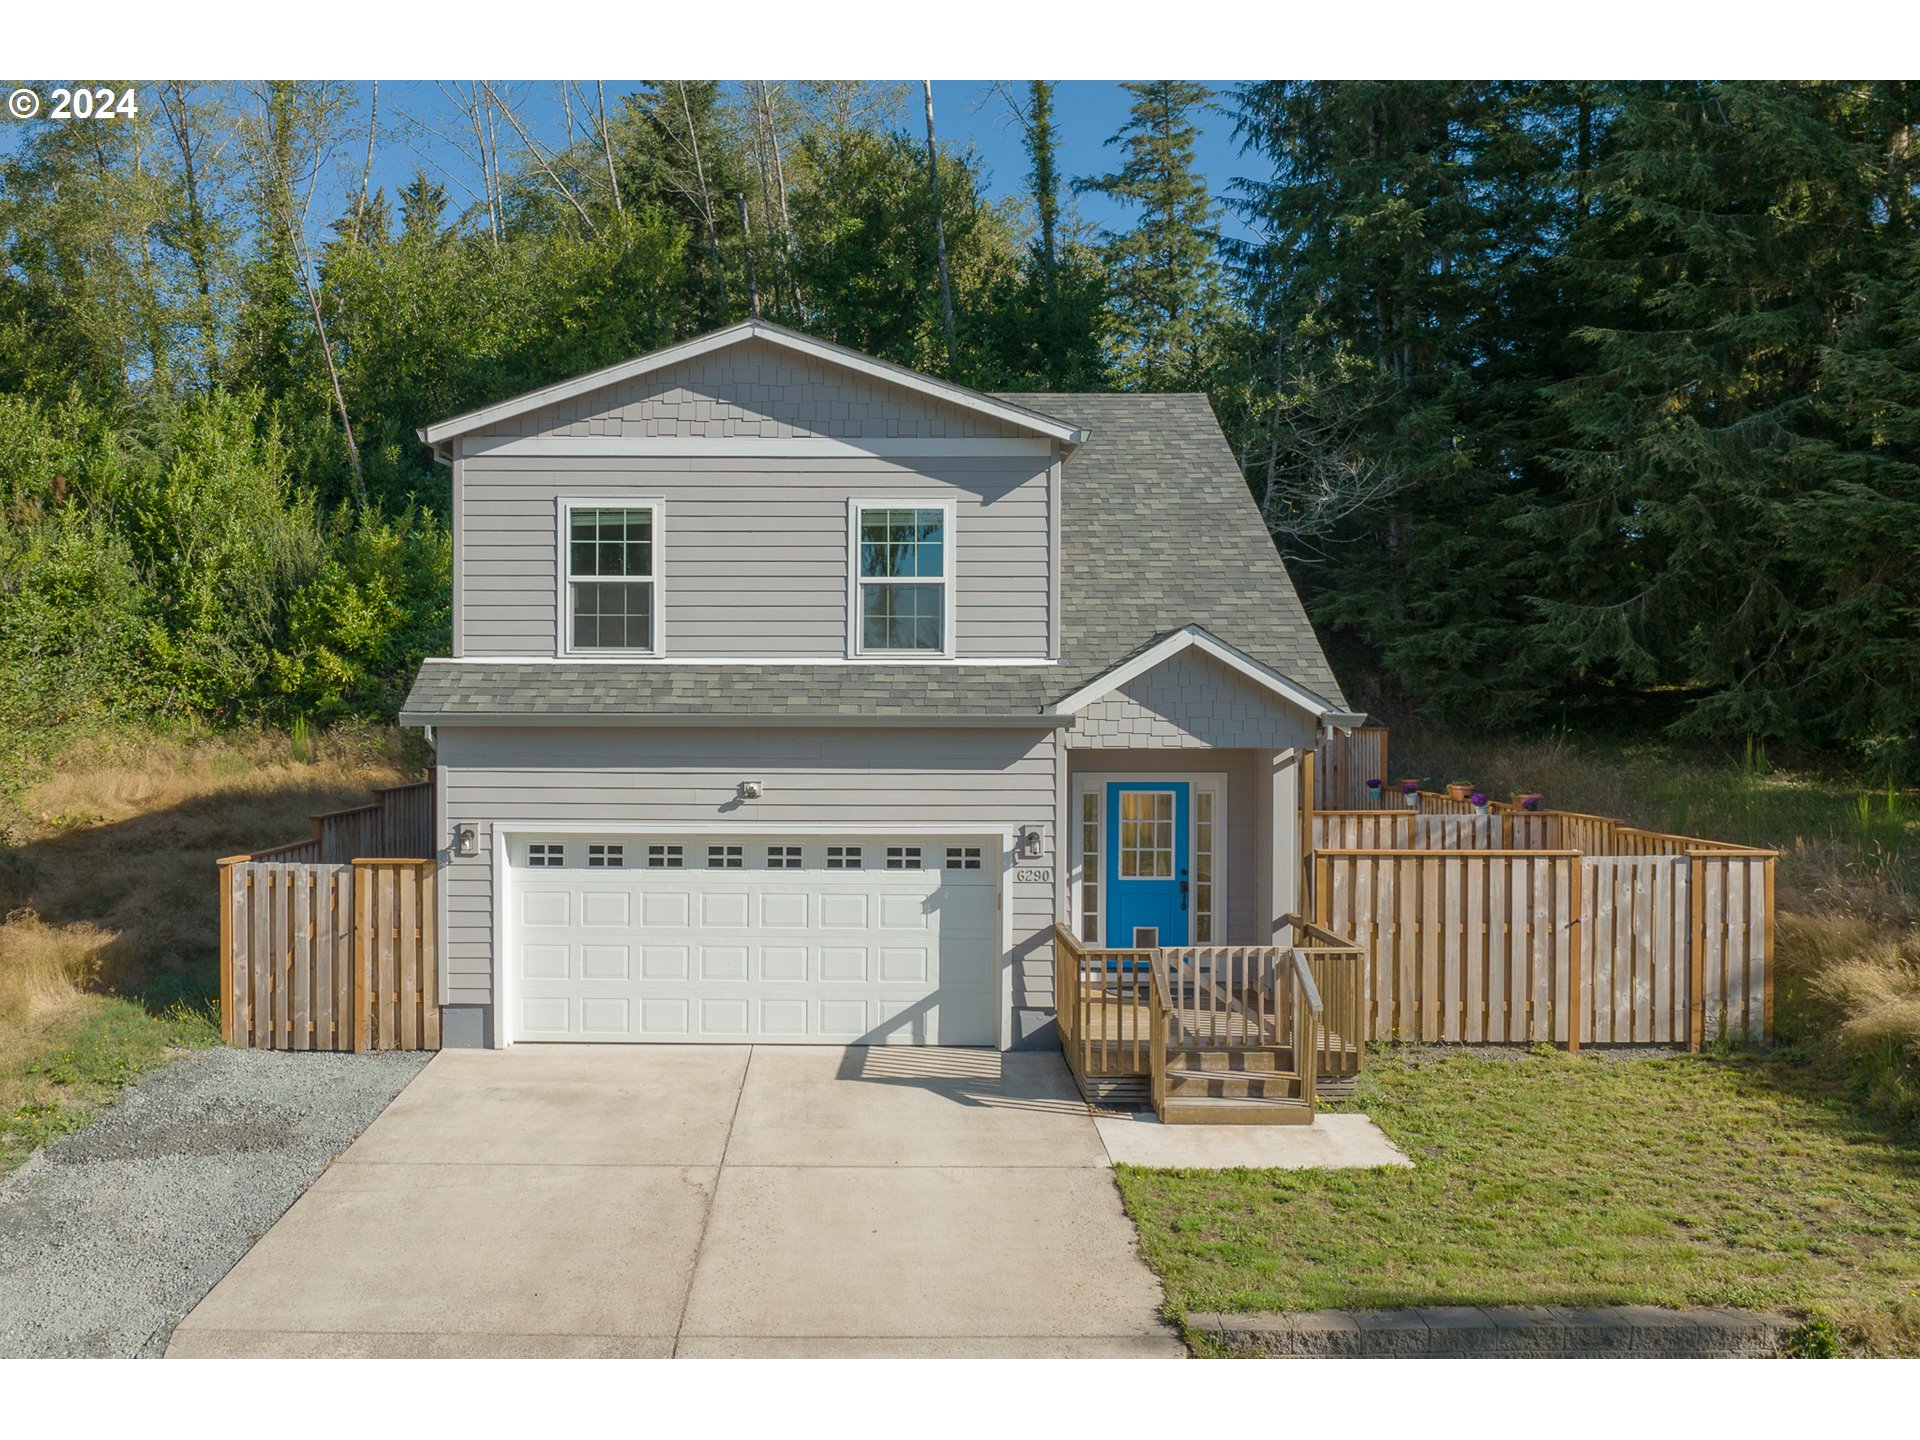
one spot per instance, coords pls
(329, 957)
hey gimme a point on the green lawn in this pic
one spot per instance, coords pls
(1549, 1179)
(60, 1075)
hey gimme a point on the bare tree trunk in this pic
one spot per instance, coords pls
(746, 245)
(706, 202)
(366, 171)
(780, 182)
(606, 148)
(940, 234)
(277, 187)
(540, 159)
(180, 121)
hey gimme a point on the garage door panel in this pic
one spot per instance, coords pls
(606, 962)
(723, 962)
(776, 948)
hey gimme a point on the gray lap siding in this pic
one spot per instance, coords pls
(629, 779)
(754, 552)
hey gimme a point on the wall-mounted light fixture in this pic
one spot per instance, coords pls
(752, 789)
(1030, 843)
(466, 840)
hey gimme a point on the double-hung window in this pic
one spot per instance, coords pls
(612, 587)
(902, 566)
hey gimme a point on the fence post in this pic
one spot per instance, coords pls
(362, 935)
(1766, 960)
(1696, 953)
(1578, 981)
(228, 1022)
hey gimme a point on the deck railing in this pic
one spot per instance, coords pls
(1120, 1011)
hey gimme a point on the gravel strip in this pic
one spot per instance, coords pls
(110, 1235)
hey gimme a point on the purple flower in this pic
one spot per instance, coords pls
(1532, 802)
(1476, 798)
(1409, 787)
(1373, 784)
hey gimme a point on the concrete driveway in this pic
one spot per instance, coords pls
(705, 1201)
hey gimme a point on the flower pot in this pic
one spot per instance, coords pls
(1412, 797)
(1480, 809)
(1459, 792)
(1528, 802)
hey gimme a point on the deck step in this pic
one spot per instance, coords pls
(1232, 1084)
(1229, 1061)
(1213, 1110)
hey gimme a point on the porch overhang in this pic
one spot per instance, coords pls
(1194, 637)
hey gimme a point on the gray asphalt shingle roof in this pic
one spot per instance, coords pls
(1158, 530)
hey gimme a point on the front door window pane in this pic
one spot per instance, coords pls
(1146, 834)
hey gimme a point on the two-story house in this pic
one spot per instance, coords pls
(795, 696)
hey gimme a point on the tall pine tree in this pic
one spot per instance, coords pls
(1166, 297)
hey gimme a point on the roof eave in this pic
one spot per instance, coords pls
(625, 719)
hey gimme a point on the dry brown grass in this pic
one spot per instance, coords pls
(108, 874)
(44, 968)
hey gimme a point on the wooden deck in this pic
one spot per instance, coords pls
(1240, 1034)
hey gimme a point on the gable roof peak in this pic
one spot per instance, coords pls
(885, 371)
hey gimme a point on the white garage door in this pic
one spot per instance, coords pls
(798, 940)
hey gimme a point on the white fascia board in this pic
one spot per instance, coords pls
(1195, 638)
(1040, 720)
(1067, 435)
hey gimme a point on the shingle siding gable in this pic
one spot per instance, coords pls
(753, 390)
(1190, 702)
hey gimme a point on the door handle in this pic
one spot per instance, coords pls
(1183, 889)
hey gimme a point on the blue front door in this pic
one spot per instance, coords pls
(1147, 891)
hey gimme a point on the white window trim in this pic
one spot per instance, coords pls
(564, 506)
(949, 579)
(1213, 782)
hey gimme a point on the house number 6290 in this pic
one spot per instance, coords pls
(1037, 877)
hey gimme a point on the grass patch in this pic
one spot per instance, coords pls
(1589, 1180)
(58, 1074)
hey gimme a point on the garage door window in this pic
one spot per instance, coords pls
(843, 857)
(546, 857)
(903, 857)
(783, 857)
(725, 857)
(606, 857)
(665, 857)
(963, 857)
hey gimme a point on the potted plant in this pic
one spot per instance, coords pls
(1410, 793)
(1478, 800)
(1459, 789)
(1373, 793)
(1526, 801)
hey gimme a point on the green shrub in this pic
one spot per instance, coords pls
(377, 606)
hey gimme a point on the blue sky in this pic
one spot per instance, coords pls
(421, 125)
(1086, 113)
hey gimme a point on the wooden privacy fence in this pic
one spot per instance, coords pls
(398, 822)
(1344, 762)
(329, 956)
(1481, 945)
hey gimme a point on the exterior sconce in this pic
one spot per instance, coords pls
(752, 789)
(466, 840)
(1030, 843)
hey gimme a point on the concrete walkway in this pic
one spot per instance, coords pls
(706, 1201)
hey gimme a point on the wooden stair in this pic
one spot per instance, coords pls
(1232, 1087)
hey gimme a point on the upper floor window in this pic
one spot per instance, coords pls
(903, 579)
(613, 558)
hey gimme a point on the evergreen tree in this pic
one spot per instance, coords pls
(1165, 292)
(1735, 434)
